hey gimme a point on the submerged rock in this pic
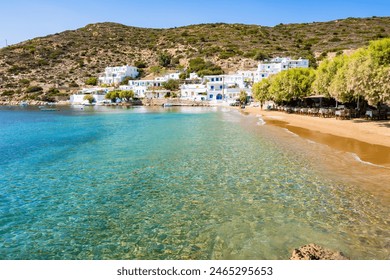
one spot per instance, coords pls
(316, 252)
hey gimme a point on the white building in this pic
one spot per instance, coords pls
(226, 87)
(278, 64)
(196, 92)
(194, 76)
(172, 76)
(115, 75)
(98, 94)
(248, 75)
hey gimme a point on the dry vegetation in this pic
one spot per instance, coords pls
(41, 67)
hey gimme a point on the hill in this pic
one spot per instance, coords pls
(60, 63)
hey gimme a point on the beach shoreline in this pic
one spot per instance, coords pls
(369, 140)
(371, 132)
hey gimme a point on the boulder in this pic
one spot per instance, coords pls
(316, 252)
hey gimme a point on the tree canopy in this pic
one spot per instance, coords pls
(285, 86)
(92, 81)
(171, 84)
(122, 94)
(365, 74)
(202, 67)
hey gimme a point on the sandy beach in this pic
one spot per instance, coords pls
(370, 140)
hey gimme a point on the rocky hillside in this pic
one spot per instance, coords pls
(61, 63)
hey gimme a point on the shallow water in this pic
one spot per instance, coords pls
(187, 183)
(366, 153)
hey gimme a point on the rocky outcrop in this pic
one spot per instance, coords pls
(316, 252)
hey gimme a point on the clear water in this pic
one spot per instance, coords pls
(170, 184)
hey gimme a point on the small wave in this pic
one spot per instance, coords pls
(275, 117)
(357, 158)
(261, 121)
(290, 132)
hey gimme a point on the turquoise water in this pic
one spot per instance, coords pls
(170, 184)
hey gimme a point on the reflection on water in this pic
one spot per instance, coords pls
(176, 184)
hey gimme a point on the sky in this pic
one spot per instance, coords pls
(21, 20)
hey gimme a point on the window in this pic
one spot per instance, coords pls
(212, 87)
(211, 96)
(220, 87)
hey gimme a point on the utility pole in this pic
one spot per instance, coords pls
(6, 43)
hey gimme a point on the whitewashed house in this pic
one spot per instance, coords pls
(248, 75)
(140, 87)
(98, 94)
(194, 76)
(195, 92)
(214, 86)
(172, 76)
(278, 64)
(225, 87)
(115, 75)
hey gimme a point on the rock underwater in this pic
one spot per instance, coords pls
(316, 252)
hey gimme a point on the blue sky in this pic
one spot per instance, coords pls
(22, 19)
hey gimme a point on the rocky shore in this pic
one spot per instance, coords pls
(30, 102)
(141, 102)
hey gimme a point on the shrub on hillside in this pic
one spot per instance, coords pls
(91, 81)
(34, 89)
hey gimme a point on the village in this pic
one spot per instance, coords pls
(216, 89)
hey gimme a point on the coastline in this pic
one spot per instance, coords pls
(372, 132)
(370, 140)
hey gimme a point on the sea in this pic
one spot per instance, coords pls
(138, 183)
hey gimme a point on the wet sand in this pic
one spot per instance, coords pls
(369, 140)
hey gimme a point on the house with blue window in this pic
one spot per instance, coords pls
(226, 88)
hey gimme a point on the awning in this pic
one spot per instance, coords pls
(316, 96)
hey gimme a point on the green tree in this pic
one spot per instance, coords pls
(261, 91)
(292, 84)
(379, 51)
(156, 70)
(184, 76)
(171, 85)
(112, 95)
(243, 97)
(325, 74)
(202, 67)
(34, 89)
(164, 59)
(338, 87)
(73, 84)
(53, 91)
(126, 94)
(126, 80)
(362, 75)
(24, 82)
(90, 98)
(140, 64)
(358, 74)
(91, 81)
(367, 72)
(260, 55)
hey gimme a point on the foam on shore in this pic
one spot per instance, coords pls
(357, 158)
(261, 120)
